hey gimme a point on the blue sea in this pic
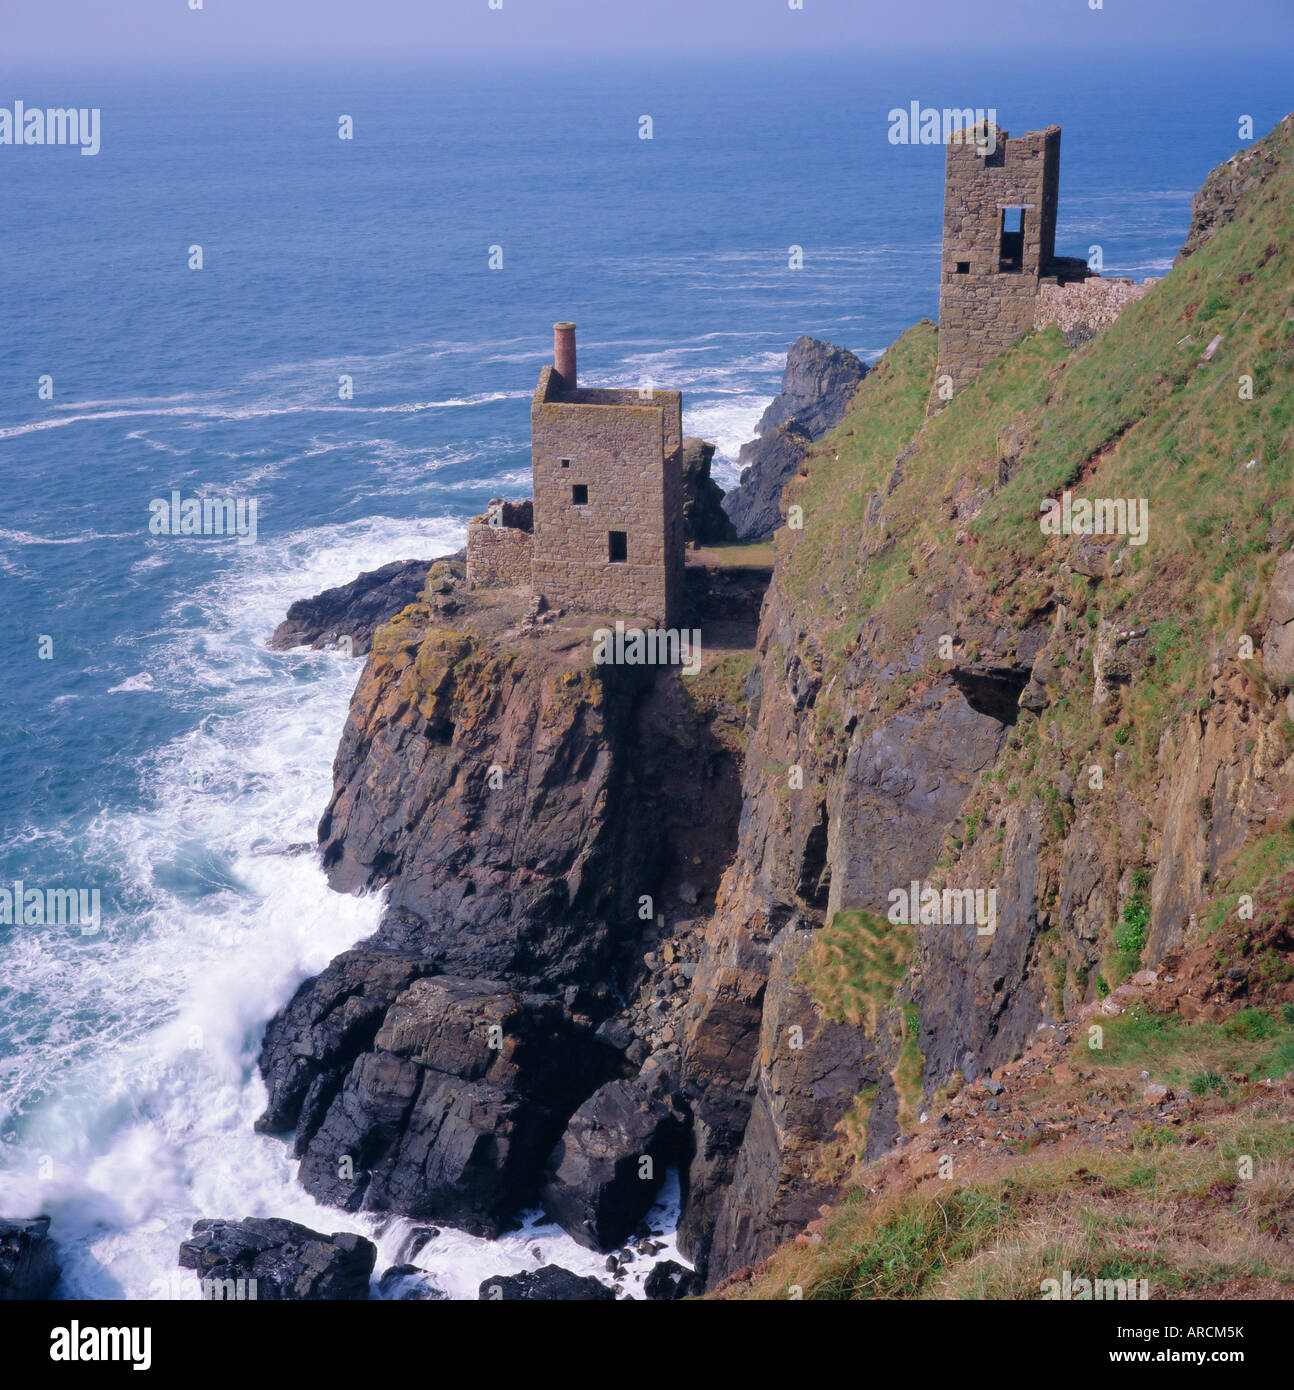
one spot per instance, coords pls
(153, 748)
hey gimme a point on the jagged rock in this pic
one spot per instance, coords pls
(594, 1187)
(1034, 697)
(286, 1260)
(609, 779)
(615, 1032)
(819, 382)
(449, 1115)
(1219, 199)
(904, 783)
(1111, 665)
(520, 877)
(544, 1285)
(331, 1019)
(817, 386)
(704, 519)
(355, 610)
(1090, 557)
(767, 1193)
(670, 1280)
(28, 1269)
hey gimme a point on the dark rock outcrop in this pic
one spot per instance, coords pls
(801, 1093)
(28, 1269)
(312, 1042)
(285, 1261)
(670, 1280)
(449, 1115)
(549, 1284)
(704, 519)
(607, 1166)
(355, 610)
(817, 386)
(1218, 200)
(767, 1075)
(520, 804)
(510, 872)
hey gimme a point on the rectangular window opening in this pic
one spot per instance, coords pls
(963, 267)
(1011, 258)
(617, 547)
(579, 494)
(566, 463)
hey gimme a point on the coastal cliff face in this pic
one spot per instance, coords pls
(817, 386)
(1231, 184)
(476, 780)
(1089, 735)
(548, 830)
(946, 694)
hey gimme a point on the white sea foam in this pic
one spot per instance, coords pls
(142, 681)
(728, 424)
(198, 415)
(138, 1072)
(26, 538)
(458, 1264)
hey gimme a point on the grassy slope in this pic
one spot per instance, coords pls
(1162, 426)
(1174, 1207)
(1172, 1212)
(1133, 414)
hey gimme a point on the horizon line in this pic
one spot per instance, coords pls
(100, 58)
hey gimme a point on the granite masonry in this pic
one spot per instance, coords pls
(1000, 276)
(500, 545)
(605, 531)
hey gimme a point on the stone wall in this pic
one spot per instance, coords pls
(625, 450)
(1081, 310)
(984, 308)
(500, 548)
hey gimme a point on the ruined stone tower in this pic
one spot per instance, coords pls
(606, 531)
(999, 240)
(1000, 276)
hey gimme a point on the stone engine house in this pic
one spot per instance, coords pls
(1000, 276)
(605, 530)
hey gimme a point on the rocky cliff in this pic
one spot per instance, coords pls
(548, 830)
(946, 694)
(352, 613)
(704, 519)
(1229, 185)
(817, 386)
(633, 917)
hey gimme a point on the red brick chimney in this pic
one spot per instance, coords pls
(564, 353)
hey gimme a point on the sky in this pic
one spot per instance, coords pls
(54, 31)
